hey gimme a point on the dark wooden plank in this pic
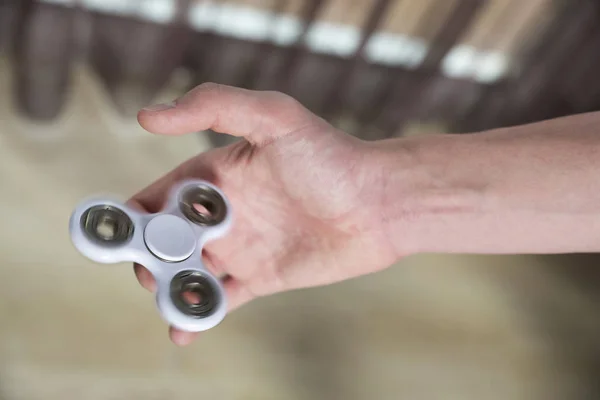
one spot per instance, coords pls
(8, 23)
(254, 76)
(536, 92)
(557, 78)
(134, 70)
(43, 51)
(581, 85)
(336, 97)
(315, 76)
(403, 100)
(446, 99)
(483, 114)
(284, 79)
(459, 21)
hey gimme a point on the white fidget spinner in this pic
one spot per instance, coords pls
(168, 243)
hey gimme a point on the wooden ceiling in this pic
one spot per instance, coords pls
(483, 63)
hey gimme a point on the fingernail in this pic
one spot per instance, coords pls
(160, 107)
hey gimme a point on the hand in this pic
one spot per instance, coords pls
(303, 194)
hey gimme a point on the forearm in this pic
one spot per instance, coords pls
(527, 189)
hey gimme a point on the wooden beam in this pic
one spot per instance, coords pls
(43, 54)
(404, 97)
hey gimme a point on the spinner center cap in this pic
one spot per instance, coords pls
(170, 238)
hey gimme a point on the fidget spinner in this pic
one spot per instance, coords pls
(168, 243)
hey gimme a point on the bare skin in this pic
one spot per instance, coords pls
(297, 186)
(315, 206)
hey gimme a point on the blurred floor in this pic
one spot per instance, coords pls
(433, 327)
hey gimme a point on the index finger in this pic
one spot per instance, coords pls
(152, 198)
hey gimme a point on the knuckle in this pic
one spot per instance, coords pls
(283, 99)
(286, 104)
(208, 88)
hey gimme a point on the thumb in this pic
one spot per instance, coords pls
(258, 116)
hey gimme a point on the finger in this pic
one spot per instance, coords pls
(182, 338)
(214, 265)
(152, 198)
(147, 281)
(145, 278)
(258, 116)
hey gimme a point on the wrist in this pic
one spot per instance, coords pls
(531, 189)
(426, 194)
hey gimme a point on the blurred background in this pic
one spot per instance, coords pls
(73, 74)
